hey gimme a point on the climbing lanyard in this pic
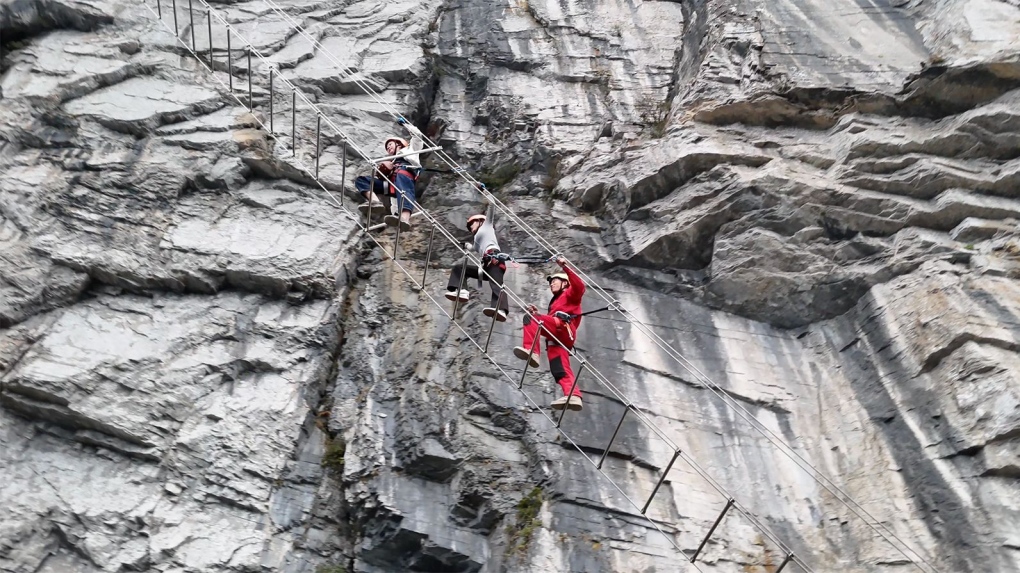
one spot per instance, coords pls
(567, 317)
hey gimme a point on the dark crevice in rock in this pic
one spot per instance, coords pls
(936, 358)
(978, 448)
(635, 519)
(939, 91)
(35, 404)
(934, 93)
(24, 19)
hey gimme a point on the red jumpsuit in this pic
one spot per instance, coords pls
(567, 300)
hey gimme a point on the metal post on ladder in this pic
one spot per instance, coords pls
(272, 93)
(570, 394)
(343, 172)
(159, 9)
(318, 142)
(463, 279)
(676, 454)
(499, 300)
(495, 310)
(605, 452)
(191, 17)
(251, 101)
(789, 557)
(428, 256)
(400, 216)
(293, 122)
(230, 63)
(531, 352)
(371, 195)
(711, 530)
(208, 19)
(177, 31)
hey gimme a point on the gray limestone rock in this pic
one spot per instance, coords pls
(205, 366)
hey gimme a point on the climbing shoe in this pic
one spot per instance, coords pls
(522, 353)
(500, 314)
(377, 208)
(573, 403)
(393, 221)
(465, 295)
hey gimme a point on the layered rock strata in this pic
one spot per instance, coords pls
(206, 367)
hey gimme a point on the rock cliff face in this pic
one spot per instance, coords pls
(205, 366)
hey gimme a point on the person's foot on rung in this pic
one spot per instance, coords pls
(572, 403)
(522, 353)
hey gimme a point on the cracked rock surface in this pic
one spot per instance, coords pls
(206, 367)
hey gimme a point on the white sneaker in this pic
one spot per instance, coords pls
(573, 403)
(465, 295)
(522, 353)
(500, 315)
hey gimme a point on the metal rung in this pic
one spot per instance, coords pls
(208, 19)
(495, 315)
(400, 215)
(428, 253)
(531, 352)
(230, 60)
(191, 18)
(463, 281)
(570, 394)
(789, 557)
(676, 454)
(318, 143)
(718, 520)
(343, 180)
(251, 100)
(605, 452)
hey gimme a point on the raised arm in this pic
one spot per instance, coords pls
(490, 214)
(577, 287)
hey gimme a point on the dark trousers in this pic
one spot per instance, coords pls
(495, 279)
(404, 193)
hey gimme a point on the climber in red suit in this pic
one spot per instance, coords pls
(561, 324)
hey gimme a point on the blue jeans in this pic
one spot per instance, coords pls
(404, 188)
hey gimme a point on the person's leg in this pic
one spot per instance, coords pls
(406, 196)
(495, 278)
(559, 366)
(366, 186)
(455, 275)
(369, 188)
(530, 349)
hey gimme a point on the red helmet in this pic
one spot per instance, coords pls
(401, 142)
(473, 218)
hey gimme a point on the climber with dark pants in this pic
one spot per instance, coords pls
(482, 227)
(403, 173)
(560, 328)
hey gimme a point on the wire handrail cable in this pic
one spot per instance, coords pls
(603, 380)
(829, 485)
(429, 296)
